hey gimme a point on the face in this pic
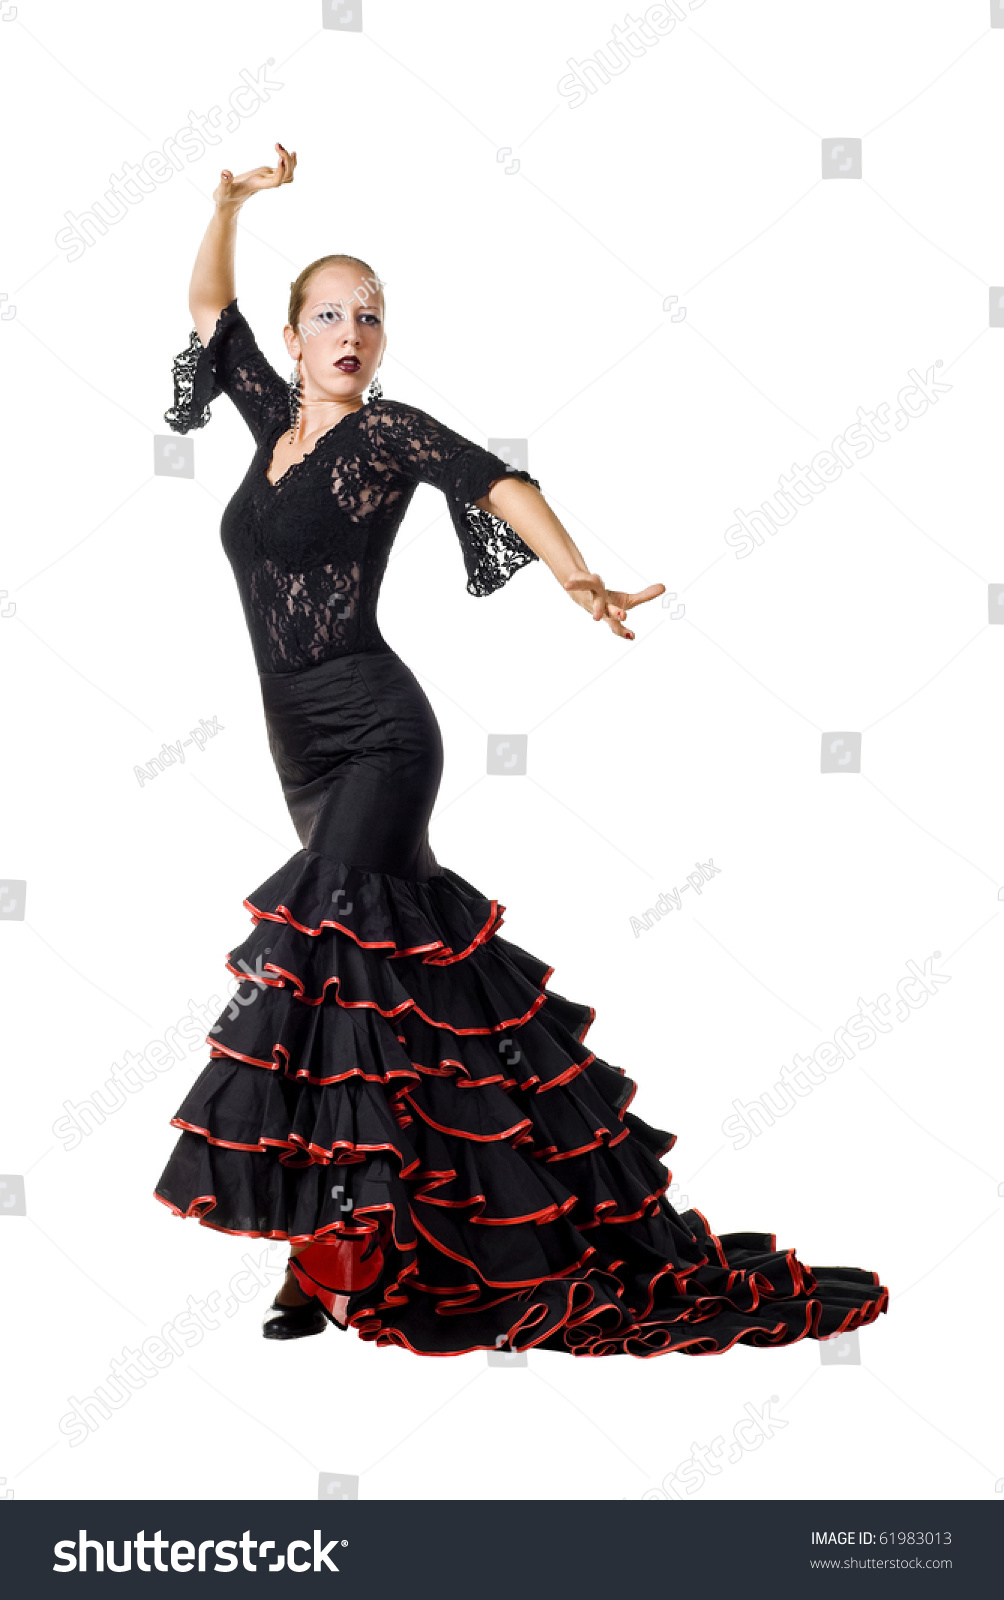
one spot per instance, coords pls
(340, 336)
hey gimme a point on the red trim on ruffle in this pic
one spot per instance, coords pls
(632, 1216)
(208, 1200)
(513, 1283)
(414, 1073)
(722, 1262)
(520, 1132)
(652, 1342)
(568, 1074)
(282, 913)
(592, 1325)
(656, 1341)
(318, 1154)
(704, 1344)
(396, 1011)
(322, 1156)
(277, 1233)
(587, 1024)
(583, 1149)
(489, 930)
(388, 1336)
(549, 1213)
(461, 1133)
(634, 1091)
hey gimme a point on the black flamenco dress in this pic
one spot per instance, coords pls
(393, 1082)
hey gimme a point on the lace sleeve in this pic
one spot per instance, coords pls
(422, 448)
(231, 363)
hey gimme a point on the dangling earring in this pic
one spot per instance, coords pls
(375, 390)
(295, 398)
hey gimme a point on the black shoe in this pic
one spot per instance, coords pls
(293, 1322)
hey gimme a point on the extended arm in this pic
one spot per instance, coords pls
(213, 283)
(526, 511)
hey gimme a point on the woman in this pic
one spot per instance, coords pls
(492, 1186)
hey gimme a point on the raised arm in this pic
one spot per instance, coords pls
(213, 284)
(222, 355)
(524, 508)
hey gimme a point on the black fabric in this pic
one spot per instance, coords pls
(310, 551)
(359, 753)
(394, 1084)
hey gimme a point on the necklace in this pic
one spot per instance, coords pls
(297, 402)
(301, 404)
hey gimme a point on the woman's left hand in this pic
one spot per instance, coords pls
(588, 590)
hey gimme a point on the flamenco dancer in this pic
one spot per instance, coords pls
(394, 1089)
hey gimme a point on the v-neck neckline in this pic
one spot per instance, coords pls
(274, 440)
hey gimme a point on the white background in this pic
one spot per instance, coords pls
(529, 303)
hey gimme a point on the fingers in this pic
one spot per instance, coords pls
(594, 583)
(580, 579)
(250, 181)
(282, 173)
(615, 626)
(609, 605)
(614, 612)
(650, 593)
(615, 617)
(236, 189)
(287, 163)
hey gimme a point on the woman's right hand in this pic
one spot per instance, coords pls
(231, 191)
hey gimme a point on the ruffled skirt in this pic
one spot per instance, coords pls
(394, 1084)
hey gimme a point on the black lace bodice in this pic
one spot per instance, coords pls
(309, 552)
